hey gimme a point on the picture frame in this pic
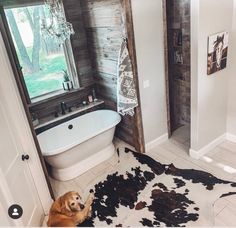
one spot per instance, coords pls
(217, 52)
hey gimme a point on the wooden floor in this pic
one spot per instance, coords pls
(221, 162)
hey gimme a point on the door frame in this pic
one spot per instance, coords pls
(138, 128)
(167, 72)
(167, 82)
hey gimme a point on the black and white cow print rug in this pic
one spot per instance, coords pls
(141, 191)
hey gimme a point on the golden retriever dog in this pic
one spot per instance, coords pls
(68, 210)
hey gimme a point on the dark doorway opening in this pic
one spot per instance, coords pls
(178, 68)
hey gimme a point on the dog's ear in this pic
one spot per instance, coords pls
(65, 209)
(56, 207)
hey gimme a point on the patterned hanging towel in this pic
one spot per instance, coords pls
(126, 93)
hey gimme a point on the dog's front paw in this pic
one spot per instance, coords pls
(90, 212)
(90, 198)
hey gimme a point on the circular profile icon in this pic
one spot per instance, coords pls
(15, 211)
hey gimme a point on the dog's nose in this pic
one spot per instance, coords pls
(81, 206)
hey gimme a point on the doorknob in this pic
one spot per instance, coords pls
(25, 157)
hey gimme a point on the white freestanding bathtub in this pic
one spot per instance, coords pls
(79, 144)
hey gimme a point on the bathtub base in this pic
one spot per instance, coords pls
(84, 165)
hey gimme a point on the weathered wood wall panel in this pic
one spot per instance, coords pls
(138, 136)
(103, 24)
(48, 107)
(79, 42)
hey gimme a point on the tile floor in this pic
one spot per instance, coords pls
(221, 162)
(181, 136)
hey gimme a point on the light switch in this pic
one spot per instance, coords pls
(146, 84)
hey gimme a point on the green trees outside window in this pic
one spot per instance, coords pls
(41, 58)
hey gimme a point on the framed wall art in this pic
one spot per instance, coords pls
(217, 52)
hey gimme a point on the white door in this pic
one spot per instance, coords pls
(20, 182)
(18, 185)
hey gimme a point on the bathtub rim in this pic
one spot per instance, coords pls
(82, 140)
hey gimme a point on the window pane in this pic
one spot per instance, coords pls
(41, 58)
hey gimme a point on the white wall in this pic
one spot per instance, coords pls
(149, 38)
(231, 121)
(209, 93)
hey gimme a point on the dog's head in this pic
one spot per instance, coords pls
(71, 202)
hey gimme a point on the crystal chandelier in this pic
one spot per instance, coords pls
(56, 25)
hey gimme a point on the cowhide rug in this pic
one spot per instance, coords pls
(140, 191)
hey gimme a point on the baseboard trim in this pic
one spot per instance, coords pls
(197, 154)
(156, 142)
(231, 137)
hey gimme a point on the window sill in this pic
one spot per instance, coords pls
(48, 97)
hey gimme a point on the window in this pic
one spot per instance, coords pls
(41, 58)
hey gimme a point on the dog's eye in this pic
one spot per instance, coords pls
(72, 204)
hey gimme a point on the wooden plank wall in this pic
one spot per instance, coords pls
(79, 42)
(49, 107)
(103, 24)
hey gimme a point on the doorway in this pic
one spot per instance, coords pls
(178, 68)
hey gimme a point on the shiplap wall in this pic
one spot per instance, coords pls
(48, 107)
(79, 42)
(103, 25)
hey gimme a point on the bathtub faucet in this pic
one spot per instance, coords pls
(63, 108)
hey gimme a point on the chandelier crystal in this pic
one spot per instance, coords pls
(57, 26)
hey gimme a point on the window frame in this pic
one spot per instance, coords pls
(68, 53)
